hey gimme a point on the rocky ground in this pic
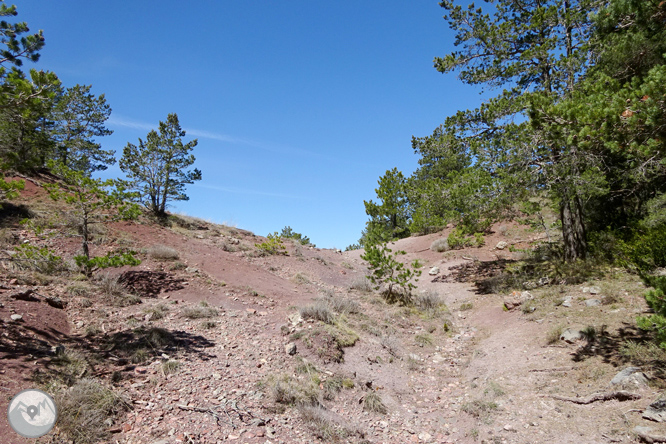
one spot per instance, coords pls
(218, 343)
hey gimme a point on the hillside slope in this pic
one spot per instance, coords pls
(210, 341)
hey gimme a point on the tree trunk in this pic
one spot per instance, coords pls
(573, 228)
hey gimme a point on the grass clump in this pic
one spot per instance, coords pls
(440, 245)
(300, 278)
(343, 305)
(479, 408)
(428, 300)
(208, 325)
(288, 390)
(157, 312)
(84, 410)
(170, 367)
(372, 402)
(319, 311)
(423, 339)
(163, 253)
(466, 306)
(201, 311)
(554, 334)
(110, 285)
(361, 284)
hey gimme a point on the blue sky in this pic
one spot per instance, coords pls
(299, 106)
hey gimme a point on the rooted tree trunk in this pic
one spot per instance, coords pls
(573, 228)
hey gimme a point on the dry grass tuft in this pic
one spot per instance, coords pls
(201, 311)
(84, 411)
(361, 284)
(440, 245)
(319, 311)
(163, 253)
(372, 402)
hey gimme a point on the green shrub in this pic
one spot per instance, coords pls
(386, 269)
(272, 245)
(29, 257)
(288, 233)
(457, 239)
(656, 299)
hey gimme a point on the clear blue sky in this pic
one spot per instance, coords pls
(298, 106)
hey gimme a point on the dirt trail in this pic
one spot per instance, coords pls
(472, 373)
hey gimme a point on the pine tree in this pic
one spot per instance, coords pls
(78, 118)
(157, 167)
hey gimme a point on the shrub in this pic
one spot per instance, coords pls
(29, 257)
(458, 240)
(440, 245)
(386, 269)
(272, 245)
(656, 299)
(288, 233)
(163, 253)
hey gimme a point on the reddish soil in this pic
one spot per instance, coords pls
(474, 373)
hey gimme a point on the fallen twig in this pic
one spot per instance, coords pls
(556, 369)
(619, 395)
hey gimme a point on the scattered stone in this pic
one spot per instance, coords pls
(434, 271)
(56, 302)
(25, 295)
(295, 319)
(656, 411)
(530, 285)
(425, 436)
(192, 270)
(570, 335)
(567, 302)
(630, 376)
(592, 302)
(217, 376)
(526, 295)
(595, 290)
(512, 303)
(290, 349)
(16, 317)
(645, 433)
(501, 245)
(509, 428)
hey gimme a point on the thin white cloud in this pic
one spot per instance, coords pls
(236, 190)
(202, 134)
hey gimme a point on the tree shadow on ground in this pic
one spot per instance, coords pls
(11, 214)
(487, 276)
(609, 346)
(150, 283)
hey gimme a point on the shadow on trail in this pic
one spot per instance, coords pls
(609, 346)
(150, 283)
(487, 276)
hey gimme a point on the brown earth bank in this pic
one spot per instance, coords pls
(210, 340)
